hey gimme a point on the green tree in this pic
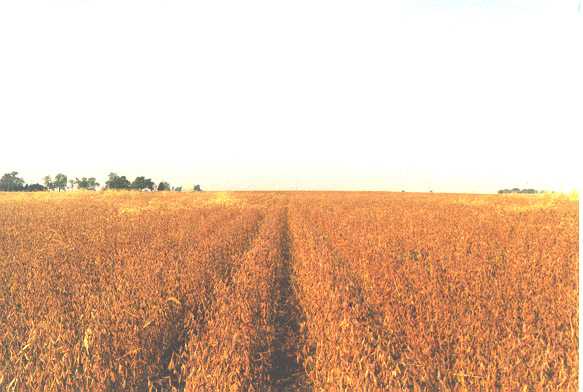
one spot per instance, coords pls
(34, 188)
(60, 182)
(92, 183)
(48, 181)
(197, 188)
(143, 183)
(87, 183)
(10, 182)
(112, 179)
(163, 186)
(117, 182)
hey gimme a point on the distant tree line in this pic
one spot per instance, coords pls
(518, 190)
(141, 183)
(10, 182)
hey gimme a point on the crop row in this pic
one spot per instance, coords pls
(468, 296)
(97, 299)
(288, 291)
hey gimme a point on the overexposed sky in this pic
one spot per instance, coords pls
(453, 96)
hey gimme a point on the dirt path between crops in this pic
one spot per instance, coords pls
(288, 372)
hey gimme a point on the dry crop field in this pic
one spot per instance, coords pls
(288, 291)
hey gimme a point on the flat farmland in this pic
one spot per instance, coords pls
(257, 291)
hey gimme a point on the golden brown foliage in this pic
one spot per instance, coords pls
(467, 295)
(271, 291)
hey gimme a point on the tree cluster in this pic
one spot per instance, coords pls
(140, 183)
(117, 182)
(59, 182)
(86, 183)
(518, 190)
(10, 182)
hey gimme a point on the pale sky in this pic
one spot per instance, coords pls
(453, 96)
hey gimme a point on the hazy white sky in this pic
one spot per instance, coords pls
(417, 95)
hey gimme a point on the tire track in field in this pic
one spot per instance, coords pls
(288, 373)
(235, 351)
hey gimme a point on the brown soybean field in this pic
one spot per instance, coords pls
(259, 291)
